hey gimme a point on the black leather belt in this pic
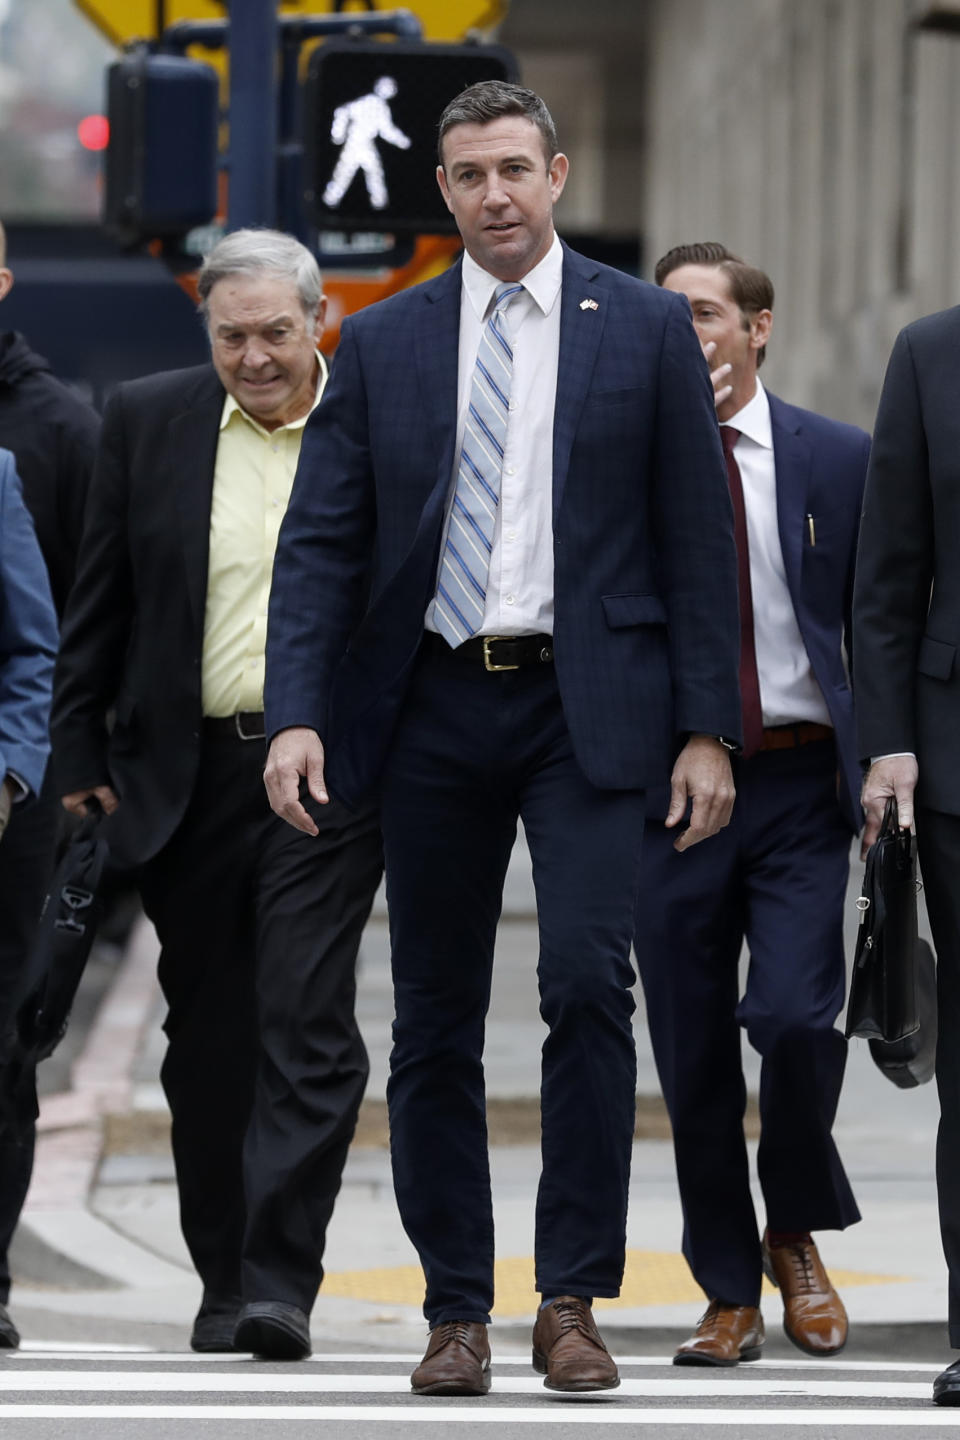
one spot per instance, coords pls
(495, 652)
(245, 725)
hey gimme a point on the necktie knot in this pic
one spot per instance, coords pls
(505, 294)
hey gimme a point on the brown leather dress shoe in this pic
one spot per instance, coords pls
(725, 1335)
(457, 1361)
(568, 1350)
(813, 1314)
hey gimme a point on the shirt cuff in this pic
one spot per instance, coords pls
(23, 789)
(894, 755)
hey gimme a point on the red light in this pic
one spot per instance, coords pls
(93, 132)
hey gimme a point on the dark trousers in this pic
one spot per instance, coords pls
(26, 864)
(265, 1070)
(777, 877)
(472, 752)
(938, 841)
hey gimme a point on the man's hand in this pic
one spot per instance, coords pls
(896, 775)
(721, 391)
(295, 752)
(76, 801)
(702, 773)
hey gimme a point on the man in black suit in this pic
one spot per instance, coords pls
(52, 435)
(906, 631)
(259, 925)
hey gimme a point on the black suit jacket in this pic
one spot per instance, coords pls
(907, 592)
(133, 631)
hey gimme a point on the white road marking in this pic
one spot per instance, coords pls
(135, 1354)
(443, 1414)
(298, 1383)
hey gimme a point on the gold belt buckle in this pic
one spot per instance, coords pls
(488, 662)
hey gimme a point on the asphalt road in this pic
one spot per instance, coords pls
(49, 1394)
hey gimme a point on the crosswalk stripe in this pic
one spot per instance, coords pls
(284, 1382)
(443, 1414)
(38, 1351)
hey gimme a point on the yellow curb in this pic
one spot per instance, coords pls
(652, 1277)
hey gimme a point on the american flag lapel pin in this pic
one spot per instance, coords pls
(589, 304)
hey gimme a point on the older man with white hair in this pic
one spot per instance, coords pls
(259, 925)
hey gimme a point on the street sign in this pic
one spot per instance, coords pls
(371, 119)
(123, 20)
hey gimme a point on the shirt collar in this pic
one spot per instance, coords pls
(232, 407)
(753, 420)
(542, 283)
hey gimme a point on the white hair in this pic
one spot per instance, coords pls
(255, 252)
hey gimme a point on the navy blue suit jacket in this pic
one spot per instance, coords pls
(645, 631)
(28, 638)
(821, 467)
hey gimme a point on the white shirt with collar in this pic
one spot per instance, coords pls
(519, 599)
(789, 692)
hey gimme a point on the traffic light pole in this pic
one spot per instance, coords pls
(253, 113)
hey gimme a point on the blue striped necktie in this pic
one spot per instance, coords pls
(465, 564)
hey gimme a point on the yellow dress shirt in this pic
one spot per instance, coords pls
(252, 480)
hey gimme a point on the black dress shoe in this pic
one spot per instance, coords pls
(273, 1330)
(215, 1323)
(946, 1387)
(9, 1334)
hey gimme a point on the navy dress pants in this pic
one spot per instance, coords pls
(473, 751)
(777, 878)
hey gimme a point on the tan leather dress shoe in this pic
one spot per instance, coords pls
(568, 1350)
(725, 1335)
(457, 1361)
(813, 1314)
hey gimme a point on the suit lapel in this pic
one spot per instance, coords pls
(580, 333)
(436, 350)
(792, 457)
(192, 438)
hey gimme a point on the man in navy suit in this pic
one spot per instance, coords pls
(506, 586)
(778, 875)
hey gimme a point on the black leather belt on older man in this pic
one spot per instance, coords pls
(788, 737)
(245, 725)
(494, 652)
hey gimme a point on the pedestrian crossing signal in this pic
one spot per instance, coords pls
(372, 111)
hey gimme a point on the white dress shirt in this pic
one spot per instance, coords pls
(519, 599)
(788, 688)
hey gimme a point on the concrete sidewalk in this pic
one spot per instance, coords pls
(101, 1254)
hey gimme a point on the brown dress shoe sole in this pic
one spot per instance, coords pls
(700, 1357)
(454, 1387)
(574, 1387)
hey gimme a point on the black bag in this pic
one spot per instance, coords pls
(912, 1061)
(884, 1003)
(58, 956)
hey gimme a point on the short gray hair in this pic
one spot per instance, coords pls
(253, 252)
(490, 100)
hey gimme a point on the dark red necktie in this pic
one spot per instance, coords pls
(749, 679)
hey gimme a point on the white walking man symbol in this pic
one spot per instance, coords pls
(357, 126)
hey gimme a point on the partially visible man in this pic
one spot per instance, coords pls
(506, 587)
(259, 925)
(906, 631)
(777, 875)
(53, 437)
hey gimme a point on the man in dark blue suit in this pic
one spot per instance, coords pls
(506, 586)
(778, 875)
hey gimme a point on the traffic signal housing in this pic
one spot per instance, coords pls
(161, 172)
(371, 114)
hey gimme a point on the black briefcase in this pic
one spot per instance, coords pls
(913, 1060)
(884, 999)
